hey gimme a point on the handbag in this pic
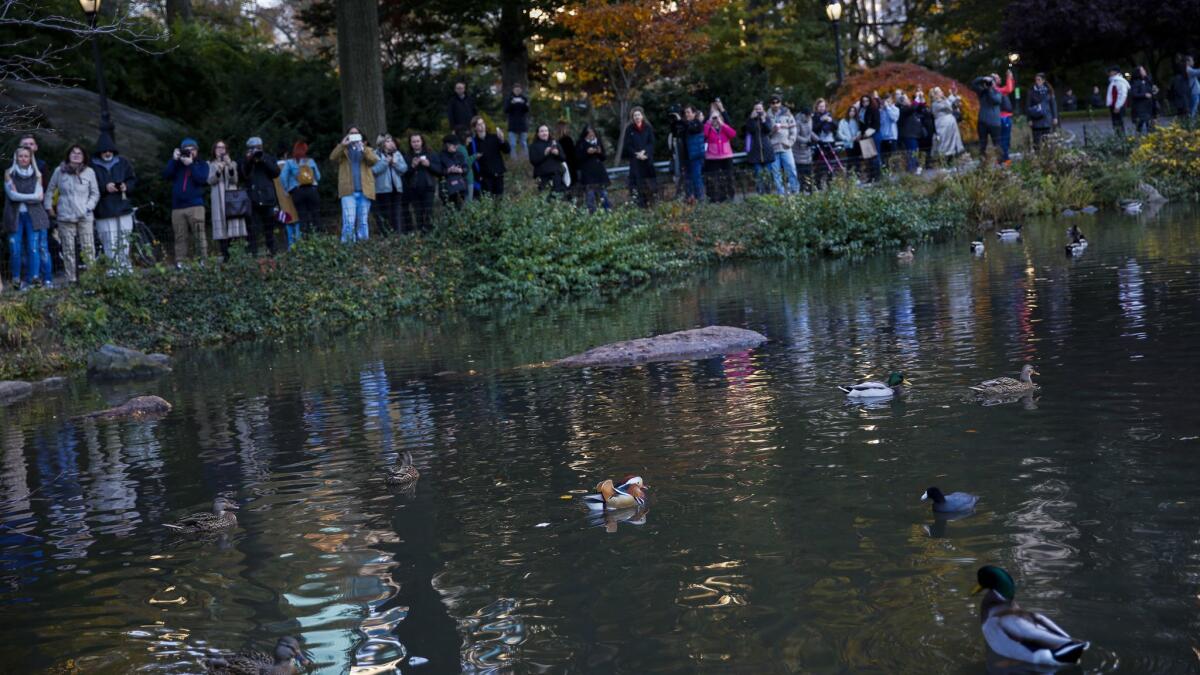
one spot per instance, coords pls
(867, 147)
(1036, 111)
(566, 178)
(237, 204)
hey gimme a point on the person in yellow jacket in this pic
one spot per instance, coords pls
(356, 183)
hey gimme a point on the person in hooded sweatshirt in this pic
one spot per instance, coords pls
(26, 221)
(114, 212)
(74, 184)
(189, 178)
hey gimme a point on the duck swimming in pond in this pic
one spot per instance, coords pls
(289, 658)
(977, 247)
(219, 519)
(627, 495)
(405, 475)
(1010, 233)
(1006, 386)
(906, 255)
(872, 389)
(1019, 634)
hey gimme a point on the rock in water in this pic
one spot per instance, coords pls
(138, 406)
(12, 391)
(685, 345)
(111, 362)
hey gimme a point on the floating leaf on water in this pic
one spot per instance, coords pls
(567, 497)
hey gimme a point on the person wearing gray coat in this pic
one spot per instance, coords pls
(74, 183)
(802, 149)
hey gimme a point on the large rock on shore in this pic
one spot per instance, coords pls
(685, 345)
(111, 362)
(138, 407)
(12, 391)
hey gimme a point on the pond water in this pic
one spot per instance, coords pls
(786, 532)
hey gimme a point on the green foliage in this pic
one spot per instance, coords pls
(528, 251)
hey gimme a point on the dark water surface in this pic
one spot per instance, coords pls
(786, 533)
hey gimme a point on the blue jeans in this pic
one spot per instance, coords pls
(695, 177)
(785, 162)
(594, 194)
(35, 246)
(523, 137)
(355, 209)
(1195, 104)
(1005, 137)
(910, 153)
(293, 233)
(760, 183)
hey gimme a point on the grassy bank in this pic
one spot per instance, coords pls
(527, 251)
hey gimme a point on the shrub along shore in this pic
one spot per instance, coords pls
(526, 251)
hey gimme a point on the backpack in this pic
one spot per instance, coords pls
(305, 175)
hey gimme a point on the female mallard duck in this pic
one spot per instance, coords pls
(977, 247)
(1010, 233)
(906, 255)
(289, 659)
(1016, 633)
(404, 475)
(1006, 386)
(219, 519)
(951, 503)
(627, 495)
(895, 385)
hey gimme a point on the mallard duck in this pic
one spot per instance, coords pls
(289, 658)
(951, 503)
(1010, 233)
(1016, 633)
(404, 475)
(977, 247)
(895, 385)
(1006, 386)
(218, 519)
(627, 495)
(906, 255)
(1075, 248)
(1130, 206)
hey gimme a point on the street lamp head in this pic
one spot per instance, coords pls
(90, 7)
(560, 76)
(1013, 58)
(833, 10)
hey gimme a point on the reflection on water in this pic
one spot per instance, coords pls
(786, 533)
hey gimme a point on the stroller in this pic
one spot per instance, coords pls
(830, 159)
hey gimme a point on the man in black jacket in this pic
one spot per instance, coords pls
(516, 106)
(114, 211)
(260, 171)
(488, 151)
(460, 109)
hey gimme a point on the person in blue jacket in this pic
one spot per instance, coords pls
(189, 180)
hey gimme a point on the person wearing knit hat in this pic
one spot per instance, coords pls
(300, 179)
(189, 178)
(114, 212)
(260, 170)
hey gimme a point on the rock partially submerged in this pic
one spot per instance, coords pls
(111, 362)
(12, 391)
(684, 345)
(138, 406)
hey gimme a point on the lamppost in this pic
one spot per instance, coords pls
(1012, 65)
(91, 8)
(562, 78)
(833, 10)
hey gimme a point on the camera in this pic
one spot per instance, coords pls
(257, 154)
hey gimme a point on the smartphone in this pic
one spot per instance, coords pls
(354, 138)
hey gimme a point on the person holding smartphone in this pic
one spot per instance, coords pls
(356, 183)
(718, 155)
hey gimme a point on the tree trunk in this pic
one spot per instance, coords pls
(514, 55)
(358, 52)
(622, 105)
(178, 11)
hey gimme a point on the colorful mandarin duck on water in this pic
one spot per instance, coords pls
(629, 494)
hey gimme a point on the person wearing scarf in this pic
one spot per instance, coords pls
(639, 150)
(78, 192)
(389, 183)
(356, 183)
(26, 221)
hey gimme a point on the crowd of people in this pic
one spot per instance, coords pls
(253, 195)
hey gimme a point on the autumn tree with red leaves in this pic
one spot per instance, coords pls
(615, 49)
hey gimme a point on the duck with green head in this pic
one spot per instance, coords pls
(1019, 634)
(895, 385)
